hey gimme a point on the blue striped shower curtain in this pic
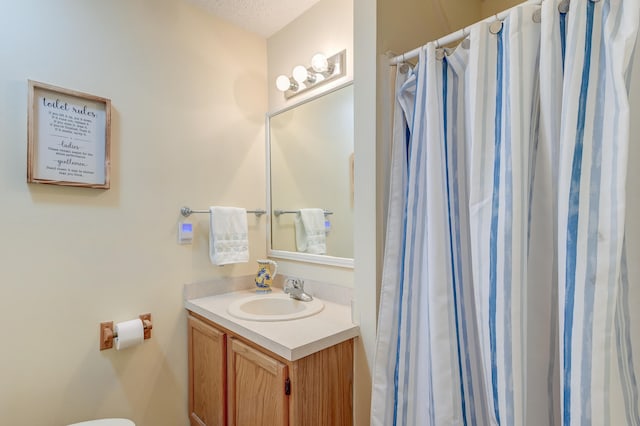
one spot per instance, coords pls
(510, 291)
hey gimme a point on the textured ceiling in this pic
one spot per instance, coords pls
(263, 17)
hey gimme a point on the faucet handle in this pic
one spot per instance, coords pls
(293, 283)
(295, 288)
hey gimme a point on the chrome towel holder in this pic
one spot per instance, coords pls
(279, 212)
(186, 211)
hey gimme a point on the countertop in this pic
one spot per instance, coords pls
(292, 339)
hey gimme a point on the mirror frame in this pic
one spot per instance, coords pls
(322, 259)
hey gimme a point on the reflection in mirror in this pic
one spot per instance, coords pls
(311, 167)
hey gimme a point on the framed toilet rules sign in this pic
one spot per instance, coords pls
(68, 138)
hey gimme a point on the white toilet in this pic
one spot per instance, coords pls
(106, 422)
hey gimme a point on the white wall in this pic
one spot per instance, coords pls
(189, 95)
(366, 232)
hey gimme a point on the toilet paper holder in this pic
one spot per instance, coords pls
(107, 334)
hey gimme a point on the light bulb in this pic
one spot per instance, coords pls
(300, 74)
(283, 83)
(319, 63)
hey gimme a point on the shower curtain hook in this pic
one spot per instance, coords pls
(437, 44)
(496, 26)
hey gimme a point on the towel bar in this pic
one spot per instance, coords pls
(279, 212)
(186, 211)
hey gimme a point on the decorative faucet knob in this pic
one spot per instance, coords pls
(295, 288)
(293, 284)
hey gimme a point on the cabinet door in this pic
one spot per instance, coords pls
(256, 386)
(207, 369)
(323, 388)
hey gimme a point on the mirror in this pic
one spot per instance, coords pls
(310, 166)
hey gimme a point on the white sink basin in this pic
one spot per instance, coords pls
(273, 307)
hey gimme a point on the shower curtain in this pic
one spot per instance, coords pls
(506, 296)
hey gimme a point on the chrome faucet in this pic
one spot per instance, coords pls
(294, 287)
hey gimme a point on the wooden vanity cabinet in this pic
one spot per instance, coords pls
(251, 386)
(207, 373)
(256, 387)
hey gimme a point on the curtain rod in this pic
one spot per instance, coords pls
(458, 35)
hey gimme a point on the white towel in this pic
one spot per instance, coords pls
(228, 235)
(310, 232)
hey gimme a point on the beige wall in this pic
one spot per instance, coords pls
(406, 24)
(188, 115)
(326, 27)
(189, 96)
(491, 7)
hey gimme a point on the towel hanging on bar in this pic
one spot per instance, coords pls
(228, 235)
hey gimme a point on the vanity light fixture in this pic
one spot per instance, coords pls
(284, 83)
(320, 64)
(303, 75)
(322, 70)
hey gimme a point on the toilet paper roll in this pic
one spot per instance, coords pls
(130, 333)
